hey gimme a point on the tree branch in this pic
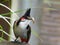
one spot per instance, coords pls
(11, 43)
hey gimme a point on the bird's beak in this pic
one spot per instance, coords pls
(32, 18)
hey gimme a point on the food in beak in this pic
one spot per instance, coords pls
(31, 18)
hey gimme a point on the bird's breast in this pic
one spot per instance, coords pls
(23, 25)
(21, 32)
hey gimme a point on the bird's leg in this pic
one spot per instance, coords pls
(17, 40)
(14, 41)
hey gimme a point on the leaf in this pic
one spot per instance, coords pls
(4, 1)
(1, 27)
(1, 39)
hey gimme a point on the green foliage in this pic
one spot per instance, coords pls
(2, 32)
(1, 39)
(1, 27)
(2, 1)
(5, 0)
(19, 11)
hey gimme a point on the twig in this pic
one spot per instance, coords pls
(5, 19)
(9, 9)
(7, 34)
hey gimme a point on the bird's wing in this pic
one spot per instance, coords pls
(14, 28)
(28, 32)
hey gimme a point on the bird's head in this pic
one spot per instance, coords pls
(26, 18)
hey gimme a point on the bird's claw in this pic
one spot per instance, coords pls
(16, 42)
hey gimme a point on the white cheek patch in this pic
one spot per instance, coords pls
(24, 24)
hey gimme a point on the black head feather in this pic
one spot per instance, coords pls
(27, 13)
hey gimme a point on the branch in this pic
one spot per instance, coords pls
(9, 9)
(6, 33)
(11, 43)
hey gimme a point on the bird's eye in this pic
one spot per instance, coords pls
(22, 19)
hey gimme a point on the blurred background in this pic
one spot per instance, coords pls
(47, 19)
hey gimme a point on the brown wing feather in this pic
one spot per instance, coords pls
(14, 26)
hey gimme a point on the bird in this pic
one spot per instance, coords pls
(21, 27)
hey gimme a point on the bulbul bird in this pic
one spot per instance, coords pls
(22, 28)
